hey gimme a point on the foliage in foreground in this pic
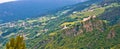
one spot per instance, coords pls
(16, 43)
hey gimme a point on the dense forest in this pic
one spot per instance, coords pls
(94, 24)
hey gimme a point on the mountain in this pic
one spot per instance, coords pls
(94, 24)
(23, 9)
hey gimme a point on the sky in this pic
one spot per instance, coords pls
(4, 1)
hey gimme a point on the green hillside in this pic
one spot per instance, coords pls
(87, 25)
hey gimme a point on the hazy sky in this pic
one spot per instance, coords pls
(4, 1)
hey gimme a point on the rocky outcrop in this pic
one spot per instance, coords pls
(111, 34)
(93, 24)
(88, 18)
(70, 32)
(87, 25)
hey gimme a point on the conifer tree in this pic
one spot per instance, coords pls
(17, 43)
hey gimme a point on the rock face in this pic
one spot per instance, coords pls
(114, 31)
(91, 23)
(111, 34)
(88, 18)
(70, 32)
(94, 24)
(87, 25)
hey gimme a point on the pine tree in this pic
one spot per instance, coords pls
(17, 43)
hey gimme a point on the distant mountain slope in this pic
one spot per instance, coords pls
(23, 9)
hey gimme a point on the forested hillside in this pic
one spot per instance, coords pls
(93, 24)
